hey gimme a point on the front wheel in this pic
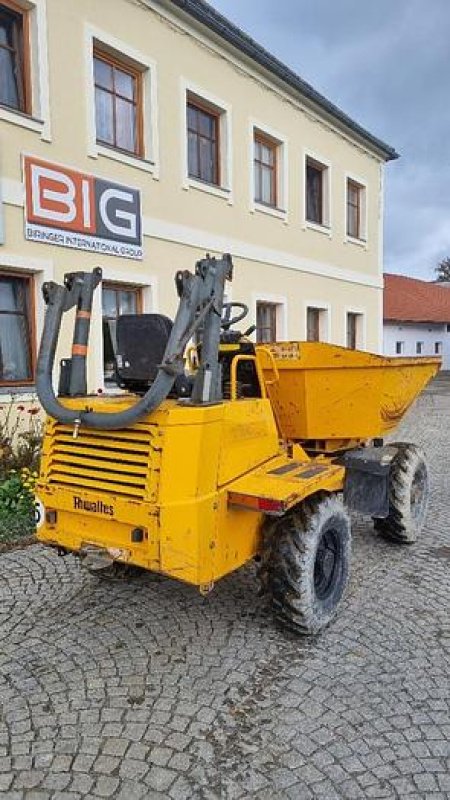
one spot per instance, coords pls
(305, 563)
(408, 495)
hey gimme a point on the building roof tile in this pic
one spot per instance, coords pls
(412, 300)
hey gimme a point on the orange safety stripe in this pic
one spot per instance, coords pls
(83, 314)
(79, 350)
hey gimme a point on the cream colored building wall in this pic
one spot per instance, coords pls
(277, 256)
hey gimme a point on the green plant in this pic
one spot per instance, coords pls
(16, 508)
(21, 432)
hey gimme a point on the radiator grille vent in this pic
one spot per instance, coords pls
(110, 461)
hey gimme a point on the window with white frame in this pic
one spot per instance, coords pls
(266, 321)
(438, 348)
(118, 103)
(399, 348)
(356, 210)
(317, 192)
(316, 324)
(15, 77)
(121, 102)
(203, 136)
(269, 166)
(208, 141)
(419, 348)
(354, 330)
(117, 299)
(266, 170)
(24, 65)
(17, 345)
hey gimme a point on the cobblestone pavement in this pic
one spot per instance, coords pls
(144, 689)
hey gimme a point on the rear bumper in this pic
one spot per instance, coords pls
(71, 520)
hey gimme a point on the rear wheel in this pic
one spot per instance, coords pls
(305, 563)
(408, 495)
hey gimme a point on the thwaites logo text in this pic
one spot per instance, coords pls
(93, 506)
(73, 209)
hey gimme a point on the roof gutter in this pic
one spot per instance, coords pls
(406, 321)
(207, 16)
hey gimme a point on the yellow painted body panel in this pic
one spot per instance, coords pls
(249, 437)
(288, 480)
(326, 392)
(168, 475)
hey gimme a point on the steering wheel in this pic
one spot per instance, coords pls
(227, 319)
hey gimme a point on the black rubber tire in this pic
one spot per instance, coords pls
(305, 596)
(408, 496)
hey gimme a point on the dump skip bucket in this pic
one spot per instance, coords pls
(325, 392)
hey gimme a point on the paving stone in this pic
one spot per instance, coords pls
(115, 747)
(181, 789)
(178, 741)
(180, 762)
(81, 784)
(133, 769)
(159, 756)
(160, 778)
(5, 781)
(132, 791)
(29, 779)
(83, 763)
(425, 782)
(106, 765)
(62, 763)
(444, 782)
(106, 786)
(56, 781)
(138, 752)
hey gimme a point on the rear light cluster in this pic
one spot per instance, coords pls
(271, 506)
(267, 505)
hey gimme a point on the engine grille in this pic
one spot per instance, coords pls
(117, 462)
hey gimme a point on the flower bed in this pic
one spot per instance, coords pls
(21, 430)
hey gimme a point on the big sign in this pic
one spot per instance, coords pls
(72, 209)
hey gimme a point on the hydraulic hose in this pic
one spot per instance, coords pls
(197, 293)
(87, 285)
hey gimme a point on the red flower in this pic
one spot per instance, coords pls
(20, 408)
(33, 411)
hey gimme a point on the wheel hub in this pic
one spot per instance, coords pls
(326, 564)
(418, 492)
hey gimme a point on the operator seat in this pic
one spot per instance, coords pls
(141, 343)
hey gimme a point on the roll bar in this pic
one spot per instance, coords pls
(201, 301)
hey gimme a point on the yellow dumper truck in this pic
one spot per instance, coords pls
(232, 452)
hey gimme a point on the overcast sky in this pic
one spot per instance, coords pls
(387, 64)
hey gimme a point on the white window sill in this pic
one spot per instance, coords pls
(21, 120)
(209, 188)
(20, 394)
(124, 158)
(278, 213)
(358, 242)
(314, 226)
